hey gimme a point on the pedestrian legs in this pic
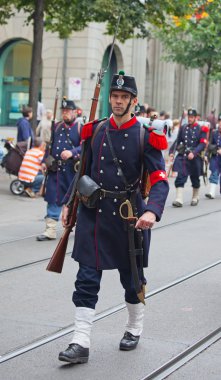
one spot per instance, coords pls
(51, 220)
(213, 179)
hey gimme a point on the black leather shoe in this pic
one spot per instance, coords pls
(129, 341)
(74, 354)
(43, 238)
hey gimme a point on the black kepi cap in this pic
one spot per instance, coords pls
(192, 112)
(68, 104)
(123, 82)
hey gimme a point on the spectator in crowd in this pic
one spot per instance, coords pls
(162, 115)
(30, 171)
(149, 111)
(184, 117)
(211, 118)
(44, 127)
(25, 131)
(40, 111)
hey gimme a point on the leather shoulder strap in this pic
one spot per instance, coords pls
(97, 130)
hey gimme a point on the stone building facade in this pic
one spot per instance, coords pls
(78, 59)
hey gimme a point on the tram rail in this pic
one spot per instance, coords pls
(105, 314)
(184, 357)
(35, 262)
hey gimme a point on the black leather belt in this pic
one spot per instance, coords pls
(63, 162)
(114, 194)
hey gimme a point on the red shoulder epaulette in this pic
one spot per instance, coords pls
(205, 128)
(87, 130)
(158, 140)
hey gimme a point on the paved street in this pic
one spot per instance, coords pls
(36, 303)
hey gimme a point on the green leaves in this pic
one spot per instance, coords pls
(195, 42)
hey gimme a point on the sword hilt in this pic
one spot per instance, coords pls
(130, 215)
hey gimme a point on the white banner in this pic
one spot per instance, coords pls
(74, 88)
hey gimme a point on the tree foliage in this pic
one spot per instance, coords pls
(66, 16)
(195, 41)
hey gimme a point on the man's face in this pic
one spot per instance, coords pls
(30, 115)
(68, 115)
(119, 101)
(191, 119)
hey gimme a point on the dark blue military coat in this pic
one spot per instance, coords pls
(66, 137)
(192, 138)
(215, 160)
(101, 239)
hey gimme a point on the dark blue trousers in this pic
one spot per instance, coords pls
(87, 287)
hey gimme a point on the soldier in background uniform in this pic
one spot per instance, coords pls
(114, 162)
(191, 141)
(214, 155)
(65, 151)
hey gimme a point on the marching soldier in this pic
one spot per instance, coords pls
(118, 221)
(61, 166)
(214, 156)
(191, 141)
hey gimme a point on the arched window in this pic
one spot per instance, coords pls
(15, 66)
(105, 110)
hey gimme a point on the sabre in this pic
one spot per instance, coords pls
(131, 219)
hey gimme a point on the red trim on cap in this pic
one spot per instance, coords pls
(158, 141)
(204, 141)
(126, 125)
(87, 131)
(205, 128)
(158, 175)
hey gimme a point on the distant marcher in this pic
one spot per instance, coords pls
(191, 141)
(30, 171)
(214, 155)
(24, 126)
(44, 127)
(141, 111)
(65, 151)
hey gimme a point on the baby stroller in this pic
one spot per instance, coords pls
(11, 162)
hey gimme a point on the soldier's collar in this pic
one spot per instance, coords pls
(126, 125)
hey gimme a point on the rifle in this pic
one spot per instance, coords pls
(174, 146)
(56, 262)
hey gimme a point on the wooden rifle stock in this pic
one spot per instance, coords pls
(57, 260)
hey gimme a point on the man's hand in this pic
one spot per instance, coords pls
(219, 151)
(66, 154)
(206, 159)
(190, 156)
(64, 217)
(146, 221)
